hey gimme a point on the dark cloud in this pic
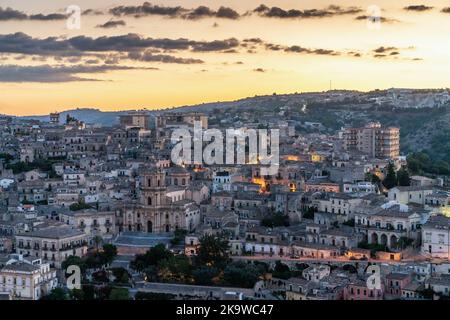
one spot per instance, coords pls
(216, 45)
(11, 14)
(419, 8)
(227, 13)
(21, 43)
(112, 24)
(148, 56)
(385, 49)
(259, 70)
(374, 19)
(47, 73)
(333, 10)
(446, 10)
(299, 49)
(205, 12)
(147, 9)
(92, 12)
(48, 17)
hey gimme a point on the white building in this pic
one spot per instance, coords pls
(26, 279)
(222, 181)
(435, 237)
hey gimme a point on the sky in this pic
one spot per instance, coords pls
(129, 54)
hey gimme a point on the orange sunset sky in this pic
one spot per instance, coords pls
(165, 53)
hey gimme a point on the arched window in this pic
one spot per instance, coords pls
(149, 200)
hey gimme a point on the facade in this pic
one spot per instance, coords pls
(374, 140)
(435, 237)
(26, 279)
(156, 212)
(52, 245)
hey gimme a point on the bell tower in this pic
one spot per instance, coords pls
(153, 189)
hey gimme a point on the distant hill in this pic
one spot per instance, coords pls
(422, 115)
(87, 115)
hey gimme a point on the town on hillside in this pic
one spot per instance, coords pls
(91, 212)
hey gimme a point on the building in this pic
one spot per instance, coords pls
(406, 195)
(156, 211)
(91, 222)
(395, 283)
(26, 279)
(389, 224)
(54, 118)
(435, 237)
(221, 182)
(136, 119)
(53, 244)
(374, 140)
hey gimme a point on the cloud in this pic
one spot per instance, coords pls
(216, 45)
(205, 12)
(52, 74)
(330, 11)
(112, 24)
(446, 10)
(260, 70)
(381, 19)
(21, 43)
(148, 9)
(12, 14)
(385, 49)
(419, 8)
(149, 56)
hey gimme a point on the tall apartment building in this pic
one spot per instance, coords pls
(135, 119)
(374, 140)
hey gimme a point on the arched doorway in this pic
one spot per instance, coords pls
(383, 239)
(149, 226)
(394, 241)
(374, 238)
(167, 228)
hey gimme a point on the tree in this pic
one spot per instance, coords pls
(203, 275)
(97, 241)
(178, 236)
(308, 213)
(175, 268)
(56, 294)
(403, 178)
(281, 271)
(391, 178)
(241, 274)
(213, 251)
(74, 261)
(109, 252)
(119, 294)
(77, 294)
(151, 258)
(276, 220)
(140, 295)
